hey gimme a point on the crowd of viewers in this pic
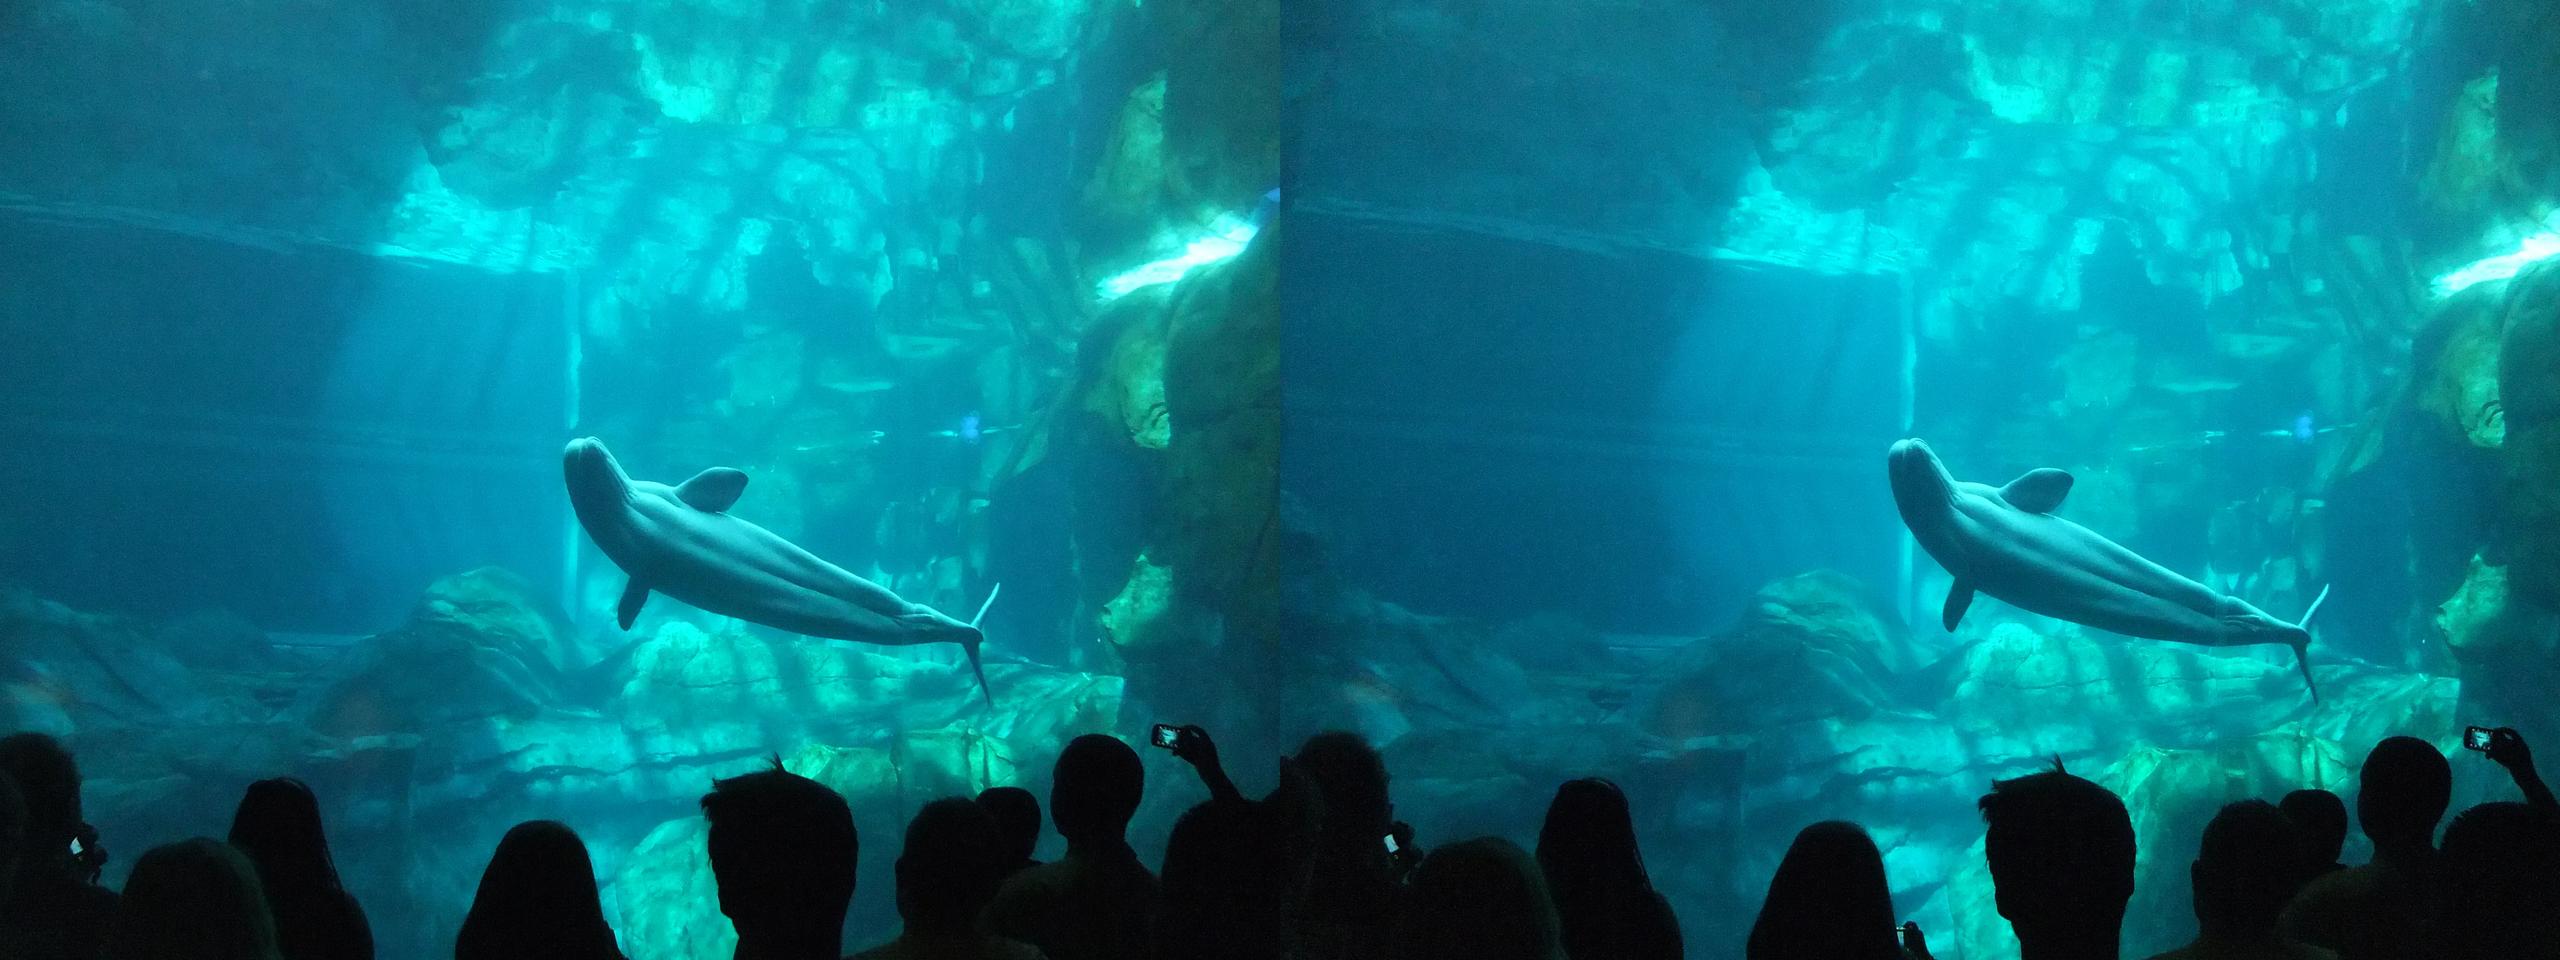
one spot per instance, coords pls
(1320, 869)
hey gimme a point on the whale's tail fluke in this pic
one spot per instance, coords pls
(971, 645)
(2302, 645)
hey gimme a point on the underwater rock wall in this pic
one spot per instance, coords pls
(2484, 392)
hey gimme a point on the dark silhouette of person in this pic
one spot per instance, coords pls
(952, 863)
(783, 850)
(2061, 854)
(196, 899)
(1097, 902)
(13, 832)
(2376, 911)
(2498, 886)
(2320, 821)
(2507, 748)
(1481, 899)
(277, 826)
(2247, 868)
(537, 901)
(1235, 872)
(55, 910)
(1017, 815)
(1828, 900)
(1357, 884)
(1587, 852)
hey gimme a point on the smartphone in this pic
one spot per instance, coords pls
(1391, 844)
(77, 849)
(1164, 735)
(2476, 738)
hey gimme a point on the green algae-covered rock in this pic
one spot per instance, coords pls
(2481, 623)
(2363, 707)
(2457, 355)
(1222, 392)
(664, 901)
(2529, 393)
(1126, 388)
(2021, 678)
(1814, 645)
(479, 644)
(1141, 616)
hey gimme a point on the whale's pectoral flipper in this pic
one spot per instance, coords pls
(1959, 597)
(634, 594)
(713, 490)
(2038, 491)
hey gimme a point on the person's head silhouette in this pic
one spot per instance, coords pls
(950, 866)
(13, 829)
(782, 851)
(2061, 854)
(2320, 821)
(1351, 779)
(1235, 873)
(277, 826)
(193, 900)
(1482, 899)
(49, 785)
(537, 898)
(1587, 846)
(2246, 870)
(1587, 851)
(2402, 792)
(1828, 901)
(2498, 885)
(1095, 789)
(1018, 823)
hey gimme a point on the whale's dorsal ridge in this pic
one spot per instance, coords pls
(713, 490)
(2038, 491)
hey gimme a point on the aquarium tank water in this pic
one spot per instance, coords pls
(1522, 385)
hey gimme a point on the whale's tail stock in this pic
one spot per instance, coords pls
(2302, 643)
(978, 637)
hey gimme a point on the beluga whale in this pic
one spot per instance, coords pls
(2006, 542)
(683, 542)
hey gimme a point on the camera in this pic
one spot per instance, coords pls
(1165, 735)
(2476, 738)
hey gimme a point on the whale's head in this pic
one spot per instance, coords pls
(596, 480)
(1921, 484)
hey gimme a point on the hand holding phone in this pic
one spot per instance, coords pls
(2477, 738)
